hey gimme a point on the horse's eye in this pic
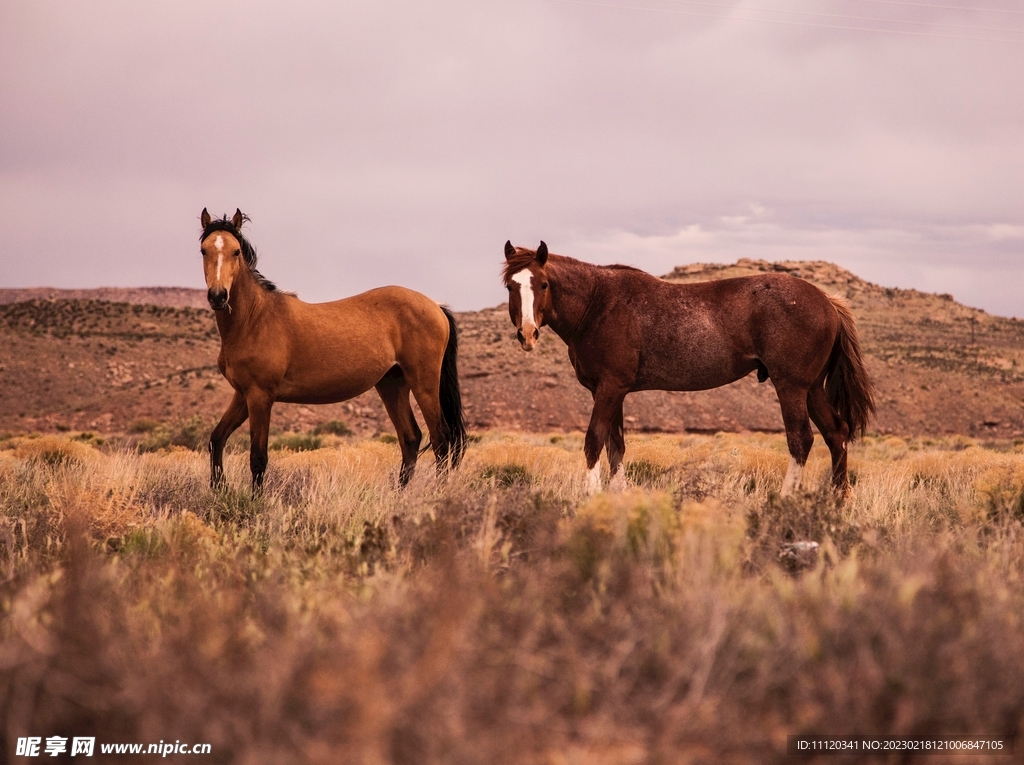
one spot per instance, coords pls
(237, 253)
(544, 286)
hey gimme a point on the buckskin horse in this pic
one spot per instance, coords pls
(628, 331)
(275, 347)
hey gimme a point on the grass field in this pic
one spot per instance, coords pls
(501, 616)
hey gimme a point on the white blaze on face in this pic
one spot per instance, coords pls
(219, 244)
(524, 279)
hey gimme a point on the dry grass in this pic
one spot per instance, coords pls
(501, 616)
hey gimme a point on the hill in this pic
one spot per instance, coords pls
(82, 363)
(176, 297)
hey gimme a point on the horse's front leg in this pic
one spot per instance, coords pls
(607, 402)
(259, 403)
(234, 416)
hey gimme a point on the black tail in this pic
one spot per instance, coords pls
(850, 390)
(453, 423)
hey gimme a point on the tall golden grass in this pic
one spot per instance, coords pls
(501, 615)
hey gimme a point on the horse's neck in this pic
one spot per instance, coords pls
(246, 304)
(576, 287)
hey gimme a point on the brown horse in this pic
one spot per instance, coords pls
(629, 331)
(274, 347)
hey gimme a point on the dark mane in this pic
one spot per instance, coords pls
(248, 251)
(523, 257)
(520, 260)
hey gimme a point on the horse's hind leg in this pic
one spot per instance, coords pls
(427, 396)
(615, 448)
(834, 431)
(799, 437)
(237, 412)
(394, 392)
(425, 381)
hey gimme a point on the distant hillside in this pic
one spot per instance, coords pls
(89, 363)
(175, 297)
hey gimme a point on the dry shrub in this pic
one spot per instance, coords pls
(100, 512)
(759, 468)
(1002, 488)
(54, 452)
(803, 517)
(337, 619)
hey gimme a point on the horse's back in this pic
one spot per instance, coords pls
(700, 335)
(341, 348)
(785, 322)
(382, 309)
(775, 299)
(389, 298)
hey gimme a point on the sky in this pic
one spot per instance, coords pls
(381, 142)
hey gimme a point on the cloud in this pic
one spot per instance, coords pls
(379, 142)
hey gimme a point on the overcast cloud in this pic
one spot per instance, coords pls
(397, 142)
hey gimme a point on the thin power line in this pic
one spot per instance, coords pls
(903, 32)
(942, 7)
(840, 16)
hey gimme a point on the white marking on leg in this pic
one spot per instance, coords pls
(594, 479)
(618, 482)
(524, 280)
(791, 482)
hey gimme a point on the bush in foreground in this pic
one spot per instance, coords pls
(335, 619)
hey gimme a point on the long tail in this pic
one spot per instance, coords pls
(848, 386)
(453, 423)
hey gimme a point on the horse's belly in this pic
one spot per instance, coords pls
(688, 382)
(327, 389)
(677, 375)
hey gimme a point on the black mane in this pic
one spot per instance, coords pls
(248, 251)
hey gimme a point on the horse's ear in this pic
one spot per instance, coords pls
(509, 249)
(237, 219)
(204, 218)
(542, 253)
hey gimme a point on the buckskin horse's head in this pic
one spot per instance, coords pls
(221, 246)
(529, 294)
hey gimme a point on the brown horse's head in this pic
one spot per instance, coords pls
(225, 254)
(529, 296)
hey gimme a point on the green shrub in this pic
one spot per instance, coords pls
(143, 425)
(332, 427)
(192, 433)
(643, 472)
(297, 442)
(509, 474)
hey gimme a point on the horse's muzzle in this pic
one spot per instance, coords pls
(218, 298)
(528, 340)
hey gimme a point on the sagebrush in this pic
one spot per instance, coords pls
(502, 616)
